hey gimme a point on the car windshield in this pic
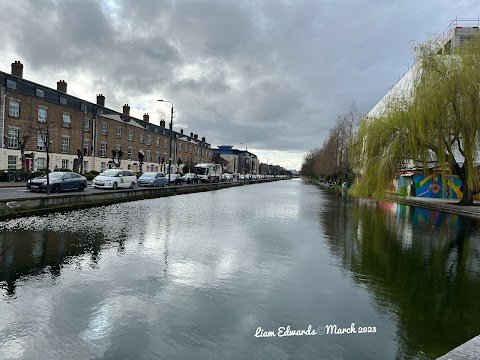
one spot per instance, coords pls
(149, 174)
(109, 172)
(200, 171)
(55, 175)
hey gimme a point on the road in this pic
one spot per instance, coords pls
(21, 192)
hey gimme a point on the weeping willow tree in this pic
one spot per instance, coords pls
(434, 122)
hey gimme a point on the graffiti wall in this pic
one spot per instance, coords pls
(430, 185)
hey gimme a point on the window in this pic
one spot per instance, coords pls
(130, 135)
(141, 138)
(63, 101)
(129, 153)
(165, 144)
(65, 144)
(12, 138)
(103, 166)
(66, 120)
(11, 84)
(148, 155)
(86, 125)
(14, 109)
(85, 166)
(40, 143)
(180, 147)
(149, 139)
(118, 147)
(157, 157)
(104, 128)
(157, 142)
(12, 162)
(103, 149)
(86, 147)
(118, 132)
(39, 92)
(42, 114)
(65, 164)
(190, 149)
(40, 163)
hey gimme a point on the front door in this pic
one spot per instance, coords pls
(28, 164)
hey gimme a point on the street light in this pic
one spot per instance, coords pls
(170, 148)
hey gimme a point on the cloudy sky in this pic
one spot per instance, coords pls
(272, 75)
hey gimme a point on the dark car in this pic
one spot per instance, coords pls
(175, 179)
(59, 181)
(190, 178)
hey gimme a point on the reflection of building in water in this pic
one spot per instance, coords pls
(24, 253)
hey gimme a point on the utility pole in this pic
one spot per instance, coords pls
(83, 136)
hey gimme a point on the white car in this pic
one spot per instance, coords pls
(227, 177)
(115, 178)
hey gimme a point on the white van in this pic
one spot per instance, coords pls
(115, 178)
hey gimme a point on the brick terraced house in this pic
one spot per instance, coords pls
(29, 111)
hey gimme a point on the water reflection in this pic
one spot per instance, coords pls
(421, 265)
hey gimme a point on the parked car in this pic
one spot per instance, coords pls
(190, 178)
(227, 177)
(175, 179)
(152, 179)
(58, 181)
(115, 178)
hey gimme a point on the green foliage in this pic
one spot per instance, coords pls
(425, 124)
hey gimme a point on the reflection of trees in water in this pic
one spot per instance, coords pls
(430, 282)
(29, 253)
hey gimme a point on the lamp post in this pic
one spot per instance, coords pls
(170, 147)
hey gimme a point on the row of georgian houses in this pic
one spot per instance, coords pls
(30, 110)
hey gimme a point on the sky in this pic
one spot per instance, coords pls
(271, 76)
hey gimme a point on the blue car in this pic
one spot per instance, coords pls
(152, 179)
(59, 181)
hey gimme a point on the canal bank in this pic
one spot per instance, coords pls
(445, 205)
(11, 208)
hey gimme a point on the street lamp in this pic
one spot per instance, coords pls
(170, 148)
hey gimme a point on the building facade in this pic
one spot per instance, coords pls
(238, 161)
(34, 118)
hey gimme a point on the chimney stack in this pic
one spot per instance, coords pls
(17, 69)
(162, 123)
(195, 136)
(191, 135)
(101, 100)
(126, 110)
(203, 139)
(146, 117)
(62, 86)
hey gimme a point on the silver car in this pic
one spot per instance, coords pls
(152, 179)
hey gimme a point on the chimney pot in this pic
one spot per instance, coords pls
(62, 86)
(195, 136)
(101, 100)
(181, 131)
(146, 117)
(17, 69)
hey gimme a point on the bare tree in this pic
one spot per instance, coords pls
(117, 157)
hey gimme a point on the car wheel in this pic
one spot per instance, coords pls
(132, 185)
(81, 187)
(115, 186)
(56, 188)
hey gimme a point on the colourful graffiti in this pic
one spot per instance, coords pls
(422, 185)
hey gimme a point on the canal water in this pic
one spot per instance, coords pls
(223, 274)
